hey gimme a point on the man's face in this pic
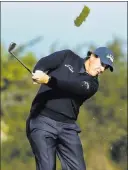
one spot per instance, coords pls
(96, 67)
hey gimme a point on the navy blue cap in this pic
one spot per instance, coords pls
(106, 56)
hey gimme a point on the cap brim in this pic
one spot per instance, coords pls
(107, 63)
(111, 68)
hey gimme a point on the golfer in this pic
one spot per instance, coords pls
(51, 126)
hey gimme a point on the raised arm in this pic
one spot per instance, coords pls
(51, 61)
(84, 87)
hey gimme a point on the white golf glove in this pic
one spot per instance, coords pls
(40, 77)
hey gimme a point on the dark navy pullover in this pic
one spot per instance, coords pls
(70, 85)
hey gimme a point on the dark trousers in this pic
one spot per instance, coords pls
(48, 137)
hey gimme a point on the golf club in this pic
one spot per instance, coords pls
(10, 49)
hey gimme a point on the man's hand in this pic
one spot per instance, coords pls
(39, 77)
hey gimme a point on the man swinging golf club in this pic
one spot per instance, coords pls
(51, 126)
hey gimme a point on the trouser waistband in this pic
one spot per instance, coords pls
(56, 116)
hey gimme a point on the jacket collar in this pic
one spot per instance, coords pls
(82, 68)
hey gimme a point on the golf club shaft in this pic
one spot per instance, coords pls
(21, 62)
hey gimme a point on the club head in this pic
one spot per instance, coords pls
(11, 46)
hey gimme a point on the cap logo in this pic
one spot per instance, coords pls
(110, 57)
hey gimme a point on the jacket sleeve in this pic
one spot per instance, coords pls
(84, 87)
(51, 61)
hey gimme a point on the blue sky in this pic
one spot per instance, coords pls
(23, 21)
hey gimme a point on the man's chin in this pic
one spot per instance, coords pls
(94, 74)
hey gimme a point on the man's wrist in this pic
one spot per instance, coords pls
(49, 78)
(52, 81)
